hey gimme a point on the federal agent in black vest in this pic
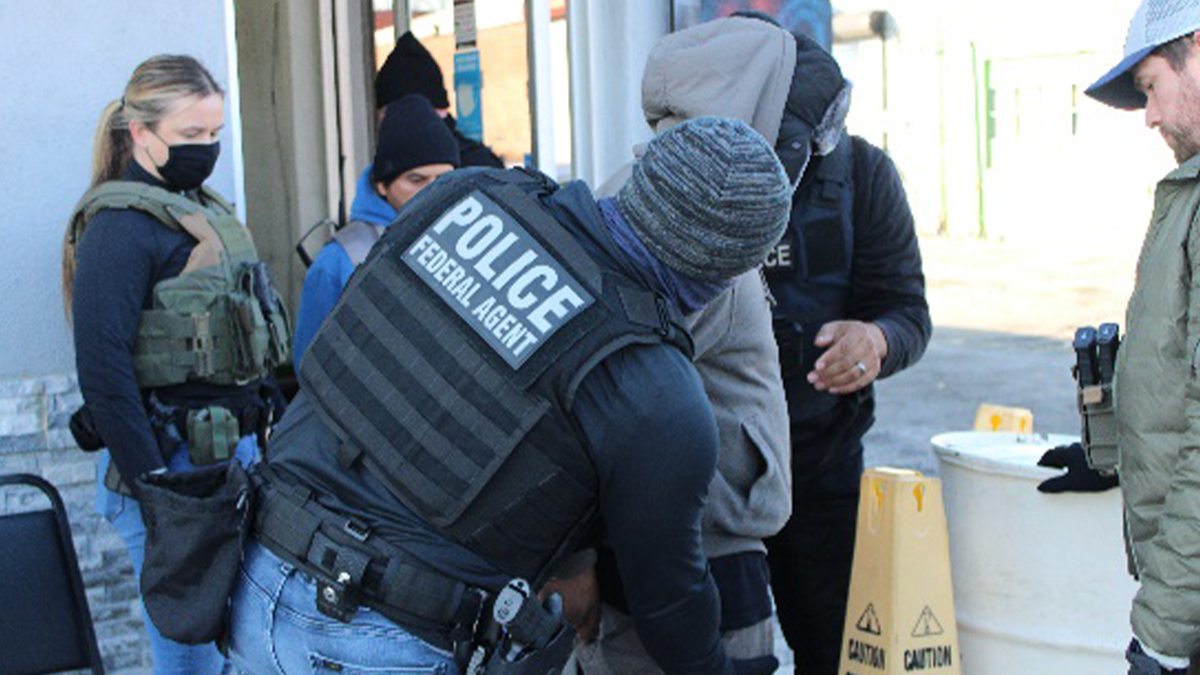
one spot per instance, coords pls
(505, 375)
(851, 308)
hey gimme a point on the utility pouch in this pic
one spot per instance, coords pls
(251, 336)
(1098, 433)
(196, 523)
(212, 435)
(279, 328)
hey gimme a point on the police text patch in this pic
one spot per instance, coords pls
(486, 267)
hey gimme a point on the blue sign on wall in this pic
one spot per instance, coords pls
(468, 93)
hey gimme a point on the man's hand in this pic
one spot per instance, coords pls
(855, 353)
(581, 602)
(1079, 476)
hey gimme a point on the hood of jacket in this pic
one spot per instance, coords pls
(368, 207)
(737, 67)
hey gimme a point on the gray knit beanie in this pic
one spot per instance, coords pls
(708, 198)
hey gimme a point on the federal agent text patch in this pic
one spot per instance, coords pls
(496, 276)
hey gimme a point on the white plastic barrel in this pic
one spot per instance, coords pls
(1040, 581)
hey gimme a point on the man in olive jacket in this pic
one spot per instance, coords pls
(1157, 394)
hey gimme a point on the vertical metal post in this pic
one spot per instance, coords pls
(541, 100)
(981, 213)
(349, 99)
(579, 58)
(330, 111)
(401, 17)
(235, 112)
(887, 122)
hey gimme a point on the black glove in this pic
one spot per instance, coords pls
(1079, 477)
(1141, 664)
(761, 665)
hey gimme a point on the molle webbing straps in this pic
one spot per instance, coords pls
(387, 363)
(414, 372)
(239, 246)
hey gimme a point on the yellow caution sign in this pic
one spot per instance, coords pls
(900, 615)
(991, 417)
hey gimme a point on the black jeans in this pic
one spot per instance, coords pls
(810, 559)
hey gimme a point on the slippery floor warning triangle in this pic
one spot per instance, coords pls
(927, 624)
(869, 621)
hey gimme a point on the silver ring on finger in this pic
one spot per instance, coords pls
(862, 367)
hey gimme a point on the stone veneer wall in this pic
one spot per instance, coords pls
(34, 438)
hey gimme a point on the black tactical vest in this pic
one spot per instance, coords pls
(809, 269)
(449, 364)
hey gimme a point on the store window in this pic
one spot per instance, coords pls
(502, 38)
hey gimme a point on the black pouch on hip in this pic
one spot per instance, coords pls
(195, 526)
(84, 431)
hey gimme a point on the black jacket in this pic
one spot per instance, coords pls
(887, 288)
(471, 152)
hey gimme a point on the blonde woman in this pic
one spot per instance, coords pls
(176, 324)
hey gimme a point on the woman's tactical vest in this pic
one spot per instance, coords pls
(449, 364)
(809, 271)
(220, 321)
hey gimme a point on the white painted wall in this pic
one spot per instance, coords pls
(609, 43)
(1046, 193)
(61, 61)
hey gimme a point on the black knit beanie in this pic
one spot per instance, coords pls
(412, 135)
(816, 82)
(410, 69)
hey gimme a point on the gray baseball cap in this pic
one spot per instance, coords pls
(1155, 23)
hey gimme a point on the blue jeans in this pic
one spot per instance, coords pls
(125, 514)
(275, 629)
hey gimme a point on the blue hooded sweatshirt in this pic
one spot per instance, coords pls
(332, 268)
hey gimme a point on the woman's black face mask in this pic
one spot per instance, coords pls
(188, 165)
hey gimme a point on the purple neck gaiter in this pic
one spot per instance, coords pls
(690, 294)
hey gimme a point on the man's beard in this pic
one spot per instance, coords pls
(1183, 137)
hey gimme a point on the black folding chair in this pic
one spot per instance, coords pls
(45, 624)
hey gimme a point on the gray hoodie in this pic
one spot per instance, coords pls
(739, 68)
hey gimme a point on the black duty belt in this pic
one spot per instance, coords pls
(252, 413)
(352, 566)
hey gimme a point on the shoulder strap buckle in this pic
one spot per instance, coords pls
(357, 530)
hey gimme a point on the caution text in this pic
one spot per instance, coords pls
(868, 655)
(929, 657)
